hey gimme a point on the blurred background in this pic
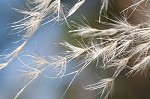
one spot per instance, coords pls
(43, 43)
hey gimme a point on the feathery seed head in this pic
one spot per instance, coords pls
(105, 86)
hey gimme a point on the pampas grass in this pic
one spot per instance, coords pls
(112, 47)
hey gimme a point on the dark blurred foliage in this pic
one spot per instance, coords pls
(133, 87)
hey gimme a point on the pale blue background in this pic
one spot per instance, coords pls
(42, 43)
